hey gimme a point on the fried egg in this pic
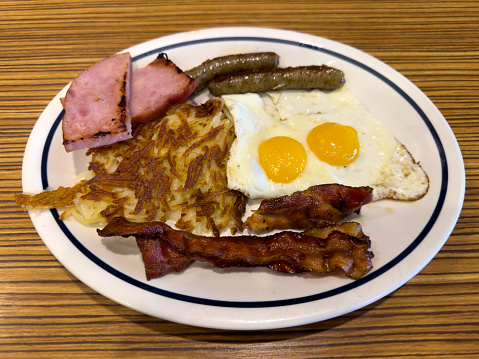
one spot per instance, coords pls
(287, 141)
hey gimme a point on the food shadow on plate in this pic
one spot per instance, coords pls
(271, 272)
(121, 246)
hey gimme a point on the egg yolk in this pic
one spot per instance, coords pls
(333, 143)
(283, 158)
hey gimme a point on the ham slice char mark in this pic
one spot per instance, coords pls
(105, 100)
(97, 105)
(156, 87)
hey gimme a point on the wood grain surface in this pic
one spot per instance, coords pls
(45, 312)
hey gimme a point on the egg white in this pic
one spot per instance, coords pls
(295, 114)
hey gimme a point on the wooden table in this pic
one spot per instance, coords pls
(45, 312)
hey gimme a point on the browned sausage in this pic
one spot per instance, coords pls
(303, 77)
(207, 71)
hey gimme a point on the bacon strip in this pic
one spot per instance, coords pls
(288, 252)
(310, 208)
(160, 258)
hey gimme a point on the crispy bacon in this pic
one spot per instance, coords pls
(160, 258)
(288, 252)
(310, 208)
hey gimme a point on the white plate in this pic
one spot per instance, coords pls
(405, 236)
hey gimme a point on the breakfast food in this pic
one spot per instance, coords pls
(160, 258)
(288, 252)
(156, 87)
(209, 69)
(279, 148)
(97, 105)
(315, 207)
(173, 169)
(291, 78)
(314, 157)
(325, 246)
(105, 100)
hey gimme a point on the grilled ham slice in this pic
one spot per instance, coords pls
(96, 105)
(99, 109)
(156, 87)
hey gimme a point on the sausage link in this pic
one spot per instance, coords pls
(291, 78)
(207, 71)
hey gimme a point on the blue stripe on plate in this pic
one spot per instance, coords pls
(274, 303)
